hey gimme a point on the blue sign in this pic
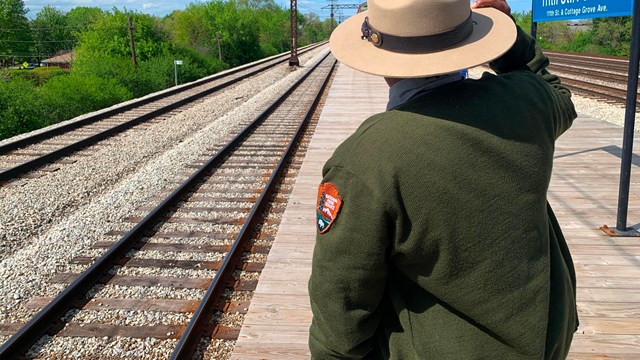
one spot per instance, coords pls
(550, 10)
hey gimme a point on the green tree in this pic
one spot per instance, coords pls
(238, 31)
(554, 35)
(15, 37)
(81, 17)
(109, 36)
(68, 96)
(312, 30)
(613, 34)
(328, 25)
(189, 29)
(523, 19)
(51, 33)
(274, 25)
(21, 108)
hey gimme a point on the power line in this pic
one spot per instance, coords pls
(309, 9)
(42, 28)
(335, 7)
(37, 41)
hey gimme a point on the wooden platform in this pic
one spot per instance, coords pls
(583, 193)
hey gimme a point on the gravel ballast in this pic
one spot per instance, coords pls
(50, 220)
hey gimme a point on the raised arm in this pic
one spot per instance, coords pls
(527, 55)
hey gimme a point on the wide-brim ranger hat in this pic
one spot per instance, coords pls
(419, 38)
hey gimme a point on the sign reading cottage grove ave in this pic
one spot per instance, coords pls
(550, 10)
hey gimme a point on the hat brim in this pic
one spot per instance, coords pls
(493, 35)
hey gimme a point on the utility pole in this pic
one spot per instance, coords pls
(333, 7)
(293, 60)
(333, 3)
(219, 48)
(133, 44)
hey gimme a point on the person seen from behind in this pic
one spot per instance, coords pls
(435, 238)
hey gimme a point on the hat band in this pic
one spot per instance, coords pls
(417, 44)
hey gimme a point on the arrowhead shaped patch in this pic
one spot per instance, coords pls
(329, 203)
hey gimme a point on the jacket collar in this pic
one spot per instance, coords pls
(408, 89)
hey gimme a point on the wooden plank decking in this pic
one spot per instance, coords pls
(583, 194)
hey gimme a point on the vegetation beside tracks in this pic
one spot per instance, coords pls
(207, 36)
(600, 36)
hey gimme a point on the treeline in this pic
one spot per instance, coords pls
(206, 36)
(603, 36)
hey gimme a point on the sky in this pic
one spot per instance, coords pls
(163, 7)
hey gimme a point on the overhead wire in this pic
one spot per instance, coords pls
(42, 28)
(38, 41)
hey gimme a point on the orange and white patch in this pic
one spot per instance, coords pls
(329, 203)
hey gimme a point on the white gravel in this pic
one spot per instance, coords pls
(128, 317)
(103, 348)
(144, 292)
(174, 255)
(169, 272)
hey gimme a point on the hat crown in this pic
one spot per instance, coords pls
(417, 17)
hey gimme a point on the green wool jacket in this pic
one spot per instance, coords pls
(444, 245)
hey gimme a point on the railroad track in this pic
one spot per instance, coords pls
(602, 92)
(34, 152)
(192, 257)
(602, 78)
(618, 64)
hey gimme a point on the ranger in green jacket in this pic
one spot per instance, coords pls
(435, 238)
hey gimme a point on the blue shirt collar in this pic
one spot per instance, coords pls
(408, 89)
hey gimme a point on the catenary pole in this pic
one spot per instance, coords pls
(629, 122)
(293, 60)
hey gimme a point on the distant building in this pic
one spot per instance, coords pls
(580, 25)
(62, 60)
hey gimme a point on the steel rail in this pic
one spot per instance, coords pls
(14, 145)
(590, 73)
(47, 319)
(190, 338)
(604, 92)
(588, 62)
(612, 58)
(71, 148)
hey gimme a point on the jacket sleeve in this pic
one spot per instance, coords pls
(348, 273)
(525, 54)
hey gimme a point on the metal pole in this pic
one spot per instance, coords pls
(629, 122)
(293, 60)
(175, 66)
(133, 45)
(331, 27)
(534, 29)
(534, 24)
